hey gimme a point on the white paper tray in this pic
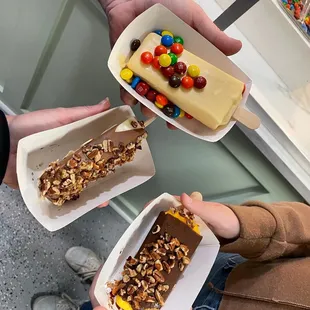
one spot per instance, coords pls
(159, 17)
(188, 287)
(37, 151)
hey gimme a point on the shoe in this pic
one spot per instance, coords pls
(53, 302)
(84, 262)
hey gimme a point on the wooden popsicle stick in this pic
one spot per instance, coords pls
(247, 118)
(127, 125)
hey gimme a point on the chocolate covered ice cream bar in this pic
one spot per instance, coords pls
(150, 276)
(65, 180)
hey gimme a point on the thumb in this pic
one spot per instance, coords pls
(212, 33)
(70, 115)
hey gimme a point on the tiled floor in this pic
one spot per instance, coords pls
(32, 259)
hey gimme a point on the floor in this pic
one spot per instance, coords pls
(32, 259)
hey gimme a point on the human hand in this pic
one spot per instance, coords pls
(92, 297)
(121, 13)
(27, 124)
(220, 219)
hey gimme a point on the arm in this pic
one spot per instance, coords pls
(4, 145)
(257, 230)
(270, 231)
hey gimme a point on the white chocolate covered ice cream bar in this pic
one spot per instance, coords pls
(213, 105)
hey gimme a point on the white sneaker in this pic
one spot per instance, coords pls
(84, 262)
(53, 302)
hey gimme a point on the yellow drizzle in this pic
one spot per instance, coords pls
(183, 220)
(124, 305)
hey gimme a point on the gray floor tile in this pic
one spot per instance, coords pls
(32, 259)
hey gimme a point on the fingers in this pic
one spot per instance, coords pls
(170, 126)
(92, 297)
(100, 308)
(147, 112)
(105, 204)
(127, 98)
(70, 115)
(204, 25)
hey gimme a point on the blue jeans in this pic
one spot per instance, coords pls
(208, 299)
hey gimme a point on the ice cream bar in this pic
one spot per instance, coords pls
(150, 276)
(214, 105)
(64, 180)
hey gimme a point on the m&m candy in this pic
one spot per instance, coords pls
(176, 112)
(187, 82)
(155, 63)
(167, 41)
(158, 31)
(135, 82)
(167, 33)
(142, 88)
(182, 114)
(179, 40)
(180, 67)
(135, 44)
(169, 110)
(200, 82)
(159, 106)
(175, 81)
(177, 48)
(162, 100)
(160, 49)
(188, 116)
(193, 71)
(151, 95)
(174, 58)
(126, 74)
(165, 60)
(168, 71)
(147, 58)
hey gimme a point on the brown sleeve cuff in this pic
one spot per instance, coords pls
(258, 226)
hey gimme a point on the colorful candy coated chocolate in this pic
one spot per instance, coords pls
(177, 48)
(126, 74)
(135, 44)
(193, 71)
(179, 40)
(162, 100)
(167, 71)
(135, 82)
(169, 110)
(147, 58)
(155, 63)
(187, 82)
(167, 33)
(151, 95)
(174, 58)
(159, 106)
(165, 60)
(167, 41)
(182, 114)
(180, 67)
(142, 88)
(188, 116)
(200, 82)
(160, 49)
(176, 112)
(158, 31)
(175, 81)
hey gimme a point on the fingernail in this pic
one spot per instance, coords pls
(105, 103)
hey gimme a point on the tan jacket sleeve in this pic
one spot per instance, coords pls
(270, 231)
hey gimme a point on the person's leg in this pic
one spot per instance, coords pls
(224, 264)
(87, 306)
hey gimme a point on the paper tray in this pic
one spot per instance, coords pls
(159, 17)
(188, 287)
(37, 151)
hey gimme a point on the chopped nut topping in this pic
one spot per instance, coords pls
(159, 298)
(181, 266)
(107, 146)
(158, 265)
(158, 276)
(167, 237)
(126, 278)
(156, 230)
(72, 163)
(132, 261)
(186, 260)
(139, 268)
(185, 249)
(166, 267)
(131, 289)
(162, 251)
(179, 253)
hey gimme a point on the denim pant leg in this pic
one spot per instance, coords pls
(224, 264)
(87, 306)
